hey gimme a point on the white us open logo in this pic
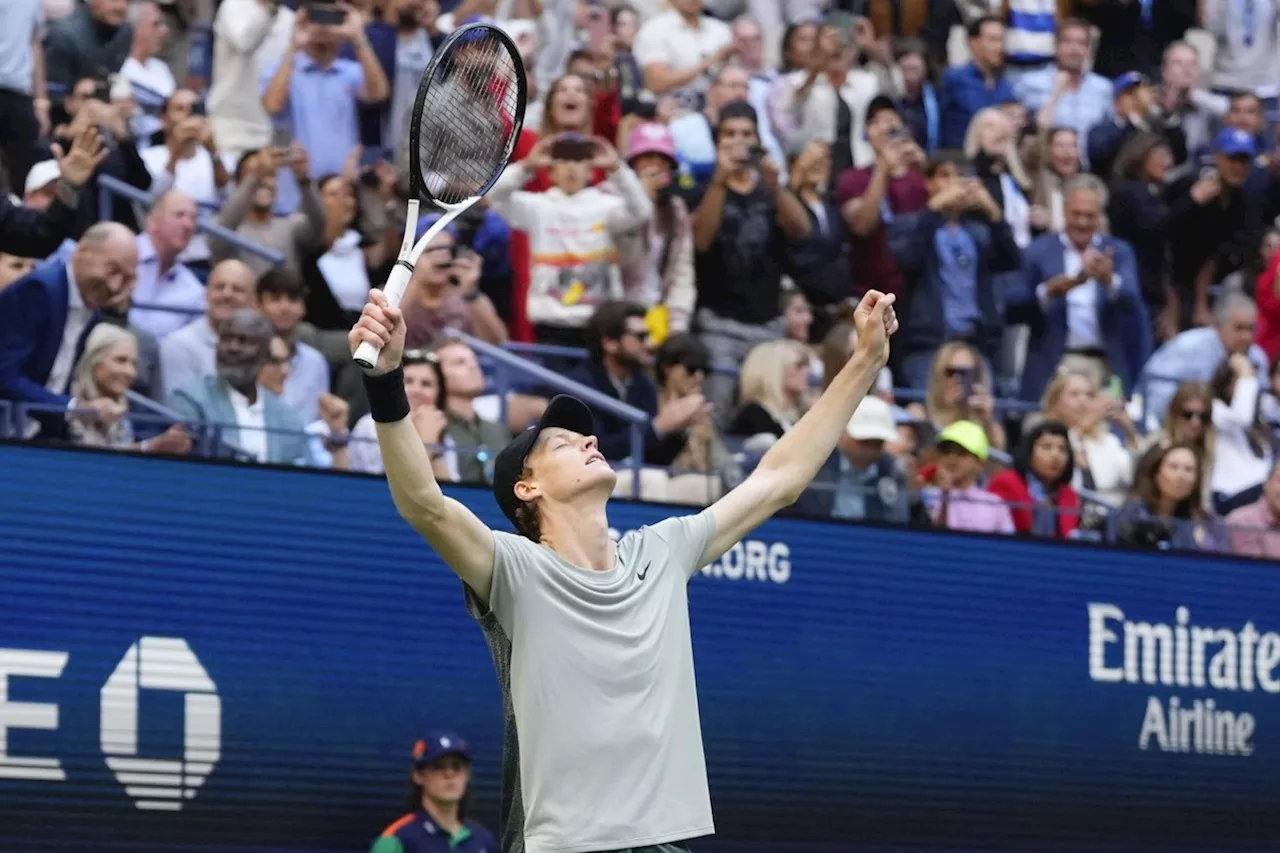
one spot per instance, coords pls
(152, 663)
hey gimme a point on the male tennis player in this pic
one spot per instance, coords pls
(590, 637)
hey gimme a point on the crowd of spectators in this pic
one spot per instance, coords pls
(1075, 201)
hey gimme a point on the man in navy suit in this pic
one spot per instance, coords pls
(1081, 297)
(46, 316)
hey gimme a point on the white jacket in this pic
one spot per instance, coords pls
(247, 41)
(573, 265)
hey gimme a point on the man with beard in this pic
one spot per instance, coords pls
(251, 422)
(250, 211)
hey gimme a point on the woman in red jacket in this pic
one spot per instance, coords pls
(1038, 487)
(1268, 296)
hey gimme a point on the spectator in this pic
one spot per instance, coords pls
(93, 41)
(772, 392)
(952, 496)
(275, 373)
(820, 104)
(749, 41)
(190, 353)
(418, 37)
(949, 255)
(317, 91)
(249, 37)
(1139, 214)
(40, 188)
(1219, 220)
(119, 158)
(1133, 111)
(819, 263)
(838, 346)
(1246, 112)
(798, 61)
(424, 386)
(677, 48)
(872, 197)
(249, 211)
(797, 325)
(619, 347)
(188, 160)
(1242, 454)
(249, 420)
(1065, 93)
(1038, 486)
(681, 365)
(45, 317)
(574, 270)
(1166, 510)
(979, 84)
(1134, 35)
(1082, 298)
(658, 259)
(168, 293)
(1060, 162)
(99, 384)
(1255, 529)
(1268, 323)
(1196, 353)
(625, 23)
(444, 293)
(331, 436)
(437, 803)
(990, 144)
(478, 440)
(959, 389)
(39, 232)
(335, 269)
(868, 484)
(1247, 58)
(148, 75)
(919, 103)
(740, 229)
(1103, 464)
(13, 267)
(693, 133)
(24, 102)
(1183, 102)
(282, 300)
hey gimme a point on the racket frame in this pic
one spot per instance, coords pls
(366, 355)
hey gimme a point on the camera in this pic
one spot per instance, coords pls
(325, 14)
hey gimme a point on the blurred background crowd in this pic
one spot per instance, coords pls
(1075, 202)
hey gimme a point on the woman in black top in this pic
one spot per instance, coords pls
(1139, 215)
(773, 381)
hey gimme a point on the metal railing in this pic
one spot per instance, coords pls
(110, 188)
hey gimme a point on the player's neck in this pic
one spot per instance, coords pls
(445, 815)
(579, 534)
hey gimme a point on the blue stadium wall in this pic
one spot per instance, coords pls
(198, 657)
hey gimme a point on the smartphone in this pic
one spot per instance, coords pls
(898, 134)
(755, 154)
(198, 109)
(325, 14)
(967, 379)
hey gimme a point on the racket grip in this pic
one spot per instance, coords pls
(366, 355)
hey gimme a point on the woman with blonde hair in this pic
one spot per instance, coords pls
(1059, 161)
(771, 389)
(1104, 464)
(992, 144)
(1188, 421)
(960, 390)
(99, 386)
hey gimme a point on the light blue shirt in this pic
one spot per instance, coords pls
(22, 21)
(322, 110)
(308, 379)
(958, 268)
(1192, 355)
(1080, 109)
(177, 290)
(696, 147)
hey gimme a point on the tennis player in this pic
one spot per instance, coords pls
(590, 638)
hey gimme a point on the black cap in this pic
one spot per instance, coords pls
(563, 412)
(879, 104)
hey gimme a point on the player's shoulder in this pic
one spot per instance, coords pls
(679, 534)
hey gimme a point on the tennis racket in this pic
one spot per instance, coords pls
(466, 119)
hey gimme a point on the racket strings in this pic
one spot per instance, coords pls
(466, 127)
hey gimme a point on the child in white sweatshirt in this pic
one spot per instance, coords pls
(572, 227)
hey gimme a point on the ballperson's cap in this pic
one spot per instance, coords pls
(438, 745)
(563, 412)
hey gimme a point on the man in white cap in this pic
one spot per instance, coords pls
(870, 485)
(41, 185)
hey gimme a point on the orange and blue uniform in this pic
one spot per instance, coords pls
(418, 833)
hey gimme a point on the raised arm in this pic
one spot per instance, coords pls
(450, 528)
(791, 464)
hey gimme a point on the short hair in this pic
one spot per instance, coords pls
(1176, 45)
(100, 232)
(736, 109)
(974, 30)
(946, 157)
(618, 12)
(726, 68)
(580, 55)
(682, 349)
(609, 323)
(1231, 302)
(243, 163)
(1085, 182)
(747, 19)
(252, 323)
(159, 201)
(1075, 24)
(1243, 96)
(281, 281)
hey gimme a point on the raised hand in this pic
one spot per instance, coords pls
(606, 156)
(87, 153)
(875, 321)
(382, 326)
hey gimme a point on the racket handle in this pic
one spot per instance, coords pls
(366, 355)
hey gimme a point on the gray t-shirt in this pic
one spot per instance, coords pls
(596, 670)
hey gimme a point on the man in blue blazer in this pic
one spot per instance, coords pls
(249, 421)
(46, 316)
(1081, 295)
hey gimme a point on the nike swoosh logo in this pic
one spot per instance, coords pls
(641, 575)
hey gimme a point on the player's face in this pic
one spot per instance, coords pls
(444, 780)
(565, 465)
